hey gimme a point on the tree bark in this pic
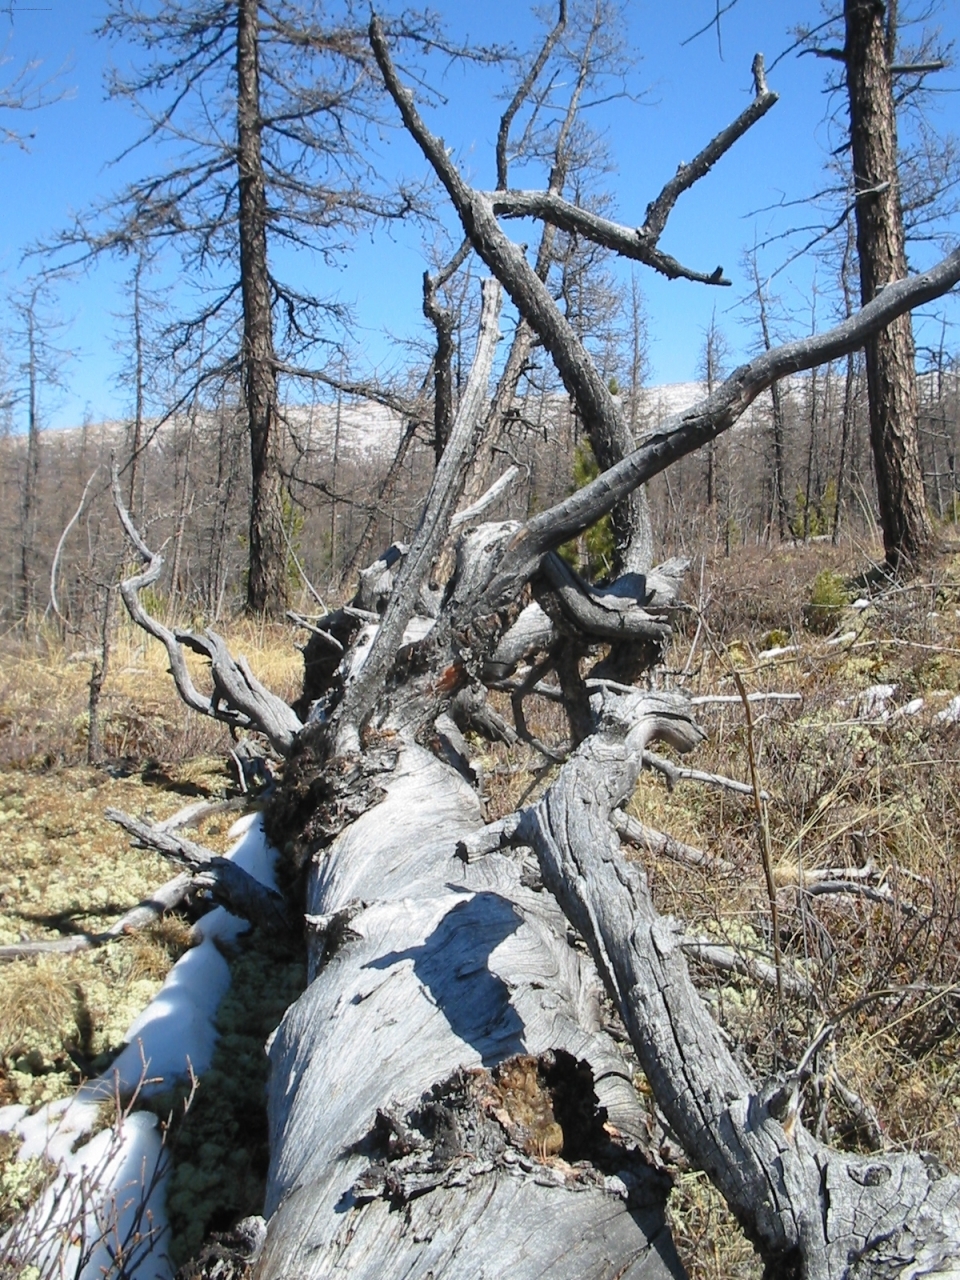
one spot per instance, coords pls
(891, 369)
(28, 501)
(266, 582)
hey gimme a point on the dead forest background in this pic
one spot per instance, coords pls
(356, 473)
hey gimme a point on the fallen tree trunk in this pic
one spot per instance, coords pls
(445, 1099)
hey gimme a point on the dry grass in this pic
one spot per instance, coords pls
(35, 1000)
(64, 870)
(44, 689)
(706, 1233)
(846, 789)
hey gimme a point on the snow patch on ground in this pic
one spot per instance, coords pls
(779, 651)
(872, 703)
(110, 1183)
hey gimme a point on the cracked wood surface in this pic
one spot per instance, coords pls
(444, 965)
(812, 1211)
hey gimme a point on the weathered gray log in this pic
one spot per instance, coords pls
(663, 845)
(166, 898)
(765, 972)
(813, 1212)
(393, 1154)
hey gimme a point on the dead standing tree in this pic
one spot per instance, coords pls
(890, 355)
(451, 1044)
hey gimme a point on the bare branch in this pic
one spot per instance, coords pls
(360, 696)
(628, 242)
(835, 55)
(663, 845)
(659, 210)
(235, 888)
(796, 1198)
(502, 256)
(601, 614)
(730, 960)
(715, 414)
(238, 698)
(674, 774)
(162, 900)
(54, 567)
(918, 68)
(714, 22)
(487, 499)
(518, 99)
(367, 390)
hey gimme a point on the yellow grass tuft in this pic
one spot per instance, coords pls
(37, 1006)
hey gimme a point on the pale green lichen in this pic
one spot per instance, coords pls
(220, 1150)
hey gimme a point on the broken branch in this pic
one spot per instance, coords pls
(238, 698)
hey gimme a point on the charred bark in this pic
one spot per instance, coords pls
(890, 356)
(266, 581)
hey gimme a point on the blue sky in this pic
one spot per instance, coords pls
(685, 93)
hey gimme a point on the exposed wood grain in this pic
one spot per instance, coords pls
(448, 965)
(813, 1212)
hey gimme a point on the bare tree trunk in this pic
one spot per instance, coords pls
(266, 583)
(183, 510)
(444, 324)
(778, 476)
(136, 442)
(891, 370)
(98, 675)
(28, 503)
(713, 353)
(812, 391)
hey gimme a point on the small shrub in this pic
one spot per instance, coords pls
(592, 552)
(828, 596)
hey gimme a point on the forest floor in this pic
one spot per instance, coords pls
(862, 774)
